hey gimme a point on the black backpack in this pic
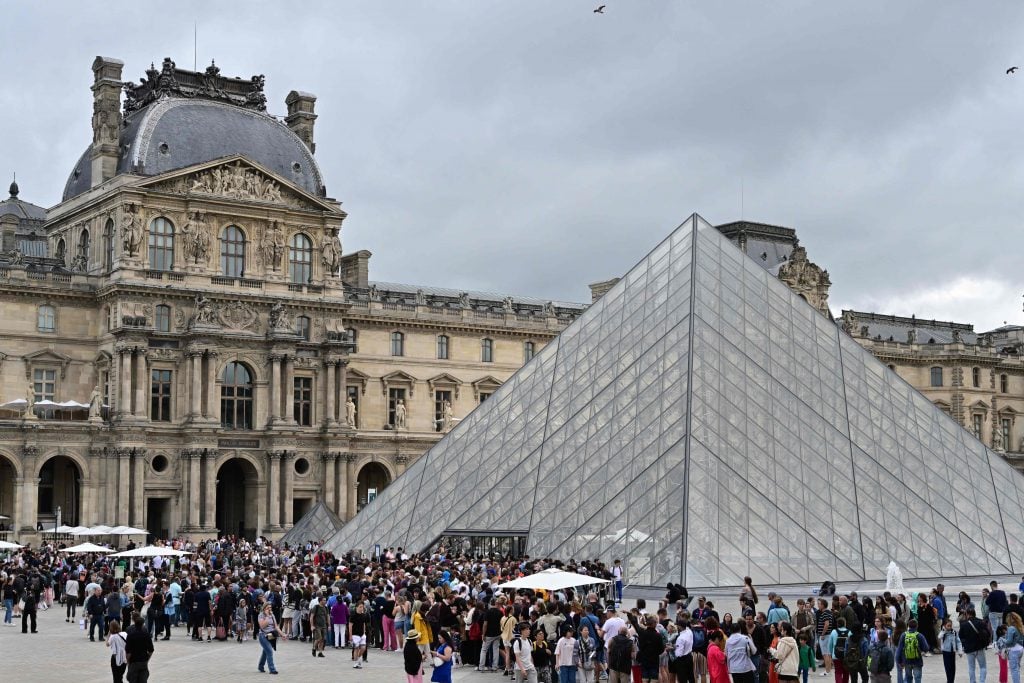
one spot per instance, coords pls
(620, 653)
(842, 643)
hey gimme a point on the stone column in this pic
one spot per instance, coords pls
(141, 382)
(19, 494)
(350, 486)
(212, 400)
(275, 388)
(123, 456)
(288, 465)
(273, 490)
(209, 489)
(194, 498)
(138, 518)
(288, 390)
(195, 359)
(124, 401)
(29, 510)
(330, 474)
(330, 368)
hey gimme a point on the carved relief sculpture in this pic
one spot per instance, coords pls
(280, 320)
(238, 315)
(131, 230)
(195, 238)
(236, 182)
(331, 254)
(204, 314)
(271, 247)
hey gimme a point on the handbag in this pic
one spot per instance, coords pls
(438, 662)
(21, 605)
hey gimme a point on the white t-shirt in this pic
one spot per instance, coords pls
(611, 628)
(524, 648)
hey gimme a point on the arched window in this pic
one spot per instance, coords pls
(46, 319)
(442, 347)
(161, 244)
(108, 244)
(936, 376)
(236, 397)
(232, 252)
(487, 350)
(62, 249)
(302, 327)
(163, 318)
(300, 259)
(397, 344)
(528, 350)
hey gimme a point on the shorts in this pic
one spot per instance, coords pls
(700, 665)
(203, 620)
(823, 644)
(358, 641)
(649, 672)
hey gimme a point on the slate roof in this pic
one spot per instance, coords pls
(897, 327)
(174, 133)
(20, 208)
(493, 297)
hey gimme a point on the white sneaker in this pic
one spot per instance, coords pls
(356, 665)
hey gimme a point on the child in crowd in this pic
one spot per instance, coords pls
(808, 662)
(241, 621)
(1001, 653)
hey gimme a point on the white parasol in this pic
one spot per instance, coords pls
(87, 548)
(151, 551)
(552, 580)
(7, 545)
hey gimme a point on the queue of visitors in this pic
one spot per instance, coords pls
(444, 612)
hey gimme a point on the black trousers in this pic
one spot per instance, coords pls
(25, 616)
(117, 670)
(138, 672)
(684, 669)
(745, 677)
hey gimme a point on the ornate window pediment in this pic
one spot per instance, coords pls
(46, 357)
(485, 385)
(354, 377)
(444, 381)
(398, 379)
(980, 407)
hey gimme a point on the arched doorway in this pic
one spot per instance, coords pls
(373, 478)
(7, 476)
(60, 486)
(237, 501)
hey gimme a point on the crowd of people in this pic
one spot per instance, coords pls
(444, 612)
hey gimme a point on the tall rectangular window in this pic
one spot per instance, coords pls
(484, 395)
(303, 327)
(528, 351)
(163, 318)
(977, 419)
(1004, 384)
(397, 344)
(1005, 425)
(442, 347)
(46, 320)
(936, 377)
(394, 396)
(487, 350)
(976, 377)
(160, 396)
(44, 384)
(440, 398)
(303, 408)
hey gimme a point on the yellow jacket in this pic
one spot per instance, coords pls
(421, 625)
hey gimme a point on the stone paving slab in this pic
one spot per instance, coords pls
(62, 652)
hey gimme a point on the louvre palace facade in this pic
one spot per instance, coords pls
(186, 347)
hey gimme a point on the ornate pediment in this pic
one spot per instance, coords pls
(46, 357)
(237, 179)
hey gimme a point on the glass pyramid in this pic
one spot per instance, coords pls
(316, 525)
(703, 423)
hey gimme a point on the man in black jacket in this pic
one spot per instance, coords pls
(620, 658)
(974, 636)
(138, 649)
(649, 649)
(95, 606)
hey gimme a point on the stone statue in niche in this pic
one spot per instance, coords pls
(131, 230)
(272, 245)
(350, 412)
(196, 238)
(15, 257)
(956, 337)
(447, 416)
(95, 404)
(280, 321)
(330, 255)
(421, 298)
(997, 440)
(400, 414)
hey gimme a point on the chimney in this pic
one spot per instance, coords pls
(599, 289)
(355, 269)
(106, 118)
(300, 117)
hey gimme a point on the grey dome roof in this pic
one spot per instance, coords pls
(175, 133)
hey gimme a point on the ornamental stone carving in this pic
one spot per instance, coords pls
(195, 238)
(271, 247)
(131, 229)
(806, 279)
(203, 314)
(330, 254)
(239, 315)
(280, 320)
(236, 181)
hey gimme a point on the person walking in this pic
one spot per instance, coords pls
(358, 626)
(116, 642)
(522, 653)
(951, 647)
(881, 659)
(95, 608)
(268, 635)
(996, 602)
(318, 621)
(1013, 643)
(910, 652)
(565, 657)
(70, 597)
(412, 657)
(975, 638)
(28, 610)
(138, 649)
(443, 659)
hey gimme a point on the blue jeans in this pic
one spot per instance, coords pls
(913, 674)
(618, 591)
(979, 658)
(268, 653)
(996, 620)
(567, 674)
(804, 673)
(8, 611)
(1014, 662)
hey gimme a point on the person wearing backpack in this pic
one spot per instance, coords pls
(839, 643)
(620, 658)
(910, 652)
(881, 659)
(975, 638)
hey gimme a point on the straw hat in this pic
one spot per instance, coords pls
(413, 634)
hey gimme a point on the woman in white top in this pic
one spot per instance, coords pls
(118, 660)
(71, 597)
(565, 650)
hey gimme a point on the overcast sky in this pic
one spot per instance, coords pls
(532, 147)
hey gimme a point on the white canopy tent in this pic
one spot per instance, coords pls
(152, 551)
(7, 545)
(87, 548)
(552, 580)
(127, 531)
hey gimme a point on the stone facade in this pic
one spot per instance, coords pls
(190, 351)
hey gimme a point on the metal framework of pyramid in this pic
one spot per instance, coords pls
(316, 525)
(703, 423)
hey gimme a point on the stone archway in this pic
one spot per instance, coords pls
(237, 498)
(8, 509)
(373, 478)
(60, 486)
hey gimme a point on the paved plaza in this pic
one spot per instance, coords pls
(60, 651)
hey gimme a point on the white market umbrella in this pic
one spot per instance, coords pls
(78, 531)
(87, 548)
(553, 580)
(7, 545)
(151, 551)
(127, 531)
(100, 530)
